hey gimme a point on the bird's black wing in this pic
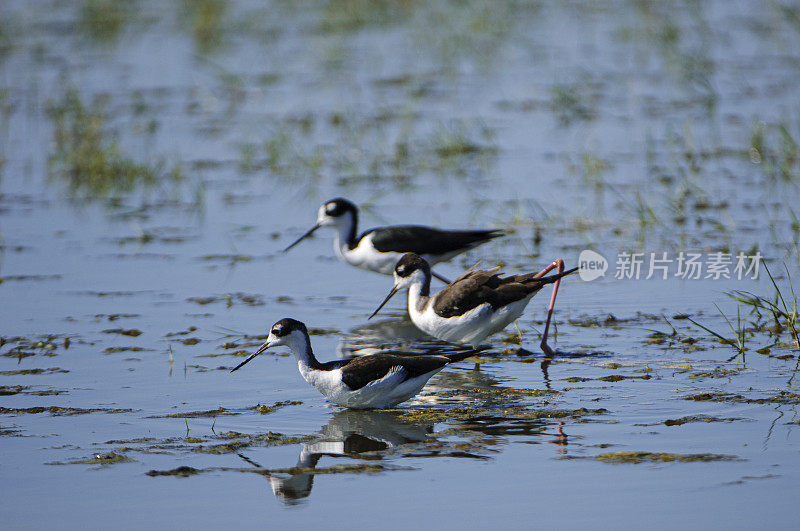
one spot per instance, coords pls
(426, 240)
(365, 370)
(333, 365)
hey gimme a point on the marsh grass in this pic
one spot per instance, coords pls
(206, 19)
(343, 16)
(738, 342)
(570, 104)
(91, 163)
(784, 315)
(104, 20)
(7, 36)
(458, 138)
(780, 309)
(775, 148)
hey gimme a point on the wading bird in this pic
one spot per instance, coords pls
(379, 249)
(376, 381)
(475, 305)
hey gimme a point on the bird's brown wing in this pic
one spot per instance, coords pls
(468, 291)
(483, 286)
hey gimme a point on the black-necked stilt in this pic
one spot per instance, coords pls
(376, 381)
(475, 305)
(379, 249)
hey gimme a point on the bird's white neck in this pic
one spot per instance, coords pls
(345, 234)
(418, 294)
(300, 346)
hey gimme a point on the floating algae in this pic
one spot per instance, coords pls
(58, 411)
(659, 457)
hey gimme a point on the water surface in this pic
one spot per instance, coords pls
(155, 158)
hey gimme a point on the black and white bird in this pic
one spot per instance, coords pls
(379, 249)
(377, 381)
(475, 305)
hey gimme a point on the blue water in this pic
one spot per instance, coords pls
(623, 126)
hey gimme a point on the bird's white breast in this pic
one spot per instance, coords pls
(365, 256)
(385, 392)
(471, 327)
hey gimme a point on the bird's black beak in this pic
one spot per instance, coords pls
(304, 236)
(261, 349)
(389, 296)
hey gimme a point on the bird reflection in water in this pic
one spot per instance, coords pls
(397, 332)
(560, 439)
(353, 434)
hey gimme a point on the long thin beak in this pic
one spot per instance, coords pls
(261, 349)
(389, 296)
(306, 235)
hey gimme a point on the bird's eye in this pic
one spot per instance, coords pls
(330, 208)
(278, 330)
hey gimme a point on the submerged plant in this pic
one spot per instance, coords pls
(458, 138)
(207, 18)
(570, 104)
(776, 150)
(91, 163)
(104, 20)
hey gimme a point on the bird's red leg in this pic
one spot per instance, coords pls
(557, 264)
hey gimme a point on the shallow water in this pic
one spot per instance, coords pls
(221, 127)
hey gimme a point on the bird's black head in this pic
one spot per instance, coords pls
(409, 263)
(404, 277)
(280, 334)
(338, 207)
(286, 326)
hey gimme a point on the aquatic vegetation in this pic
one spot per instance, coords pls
(123, 332)
(58, 411)
(784, 397)
(620, 377)
(8, 390)
(436, 415)
(104, 20)
(51, 370)
(446, 112)
(458, 138)
(23, 278)
(114, 350)
(195, 414)
(92, 165)
(660, 457)
(230, 299)
(207, 20)
(739, 332)
(774, 147)
(569, 103)
(785, 315)
(265, 410)
(181, 471)
(697, 418)
(7, 35)
(769, 317)
(343, 16)
(469, 31)
(110, 458)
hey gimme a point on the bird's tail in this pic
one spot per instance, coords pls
(531, 279)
